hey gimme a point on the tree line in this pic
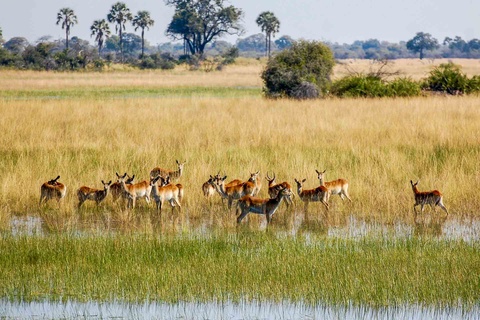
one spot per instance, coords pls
(196, 29)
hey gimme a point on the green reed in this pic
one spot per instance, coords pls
(243, 265)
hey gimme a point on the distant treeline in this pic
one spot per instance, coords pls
(48, 54)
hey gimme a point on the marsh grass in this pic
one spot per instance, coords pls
(198, 253)
(378, 145)
(246, 265)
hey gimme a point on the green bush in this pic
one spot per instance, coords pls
(157, 61)
(359, 86)
(473, 85)
(448, 78)
(404, 87)
(287, 73)
(368, 86)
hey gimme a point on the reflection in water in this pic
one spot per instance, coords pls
(289, 223)
(218, 310)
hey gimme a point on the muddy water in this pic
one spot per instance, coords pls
(228, 310)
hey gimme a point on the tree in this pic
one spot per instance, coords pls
(16, 45)
(456, 44)
(421, 42)
(253, 43)
(101, 30)
(198, 22)
(142, 20)
(132, 44)
(284, 42)
(68, 19)
(1, 37)
(119, 14)
(301, 71)
(270, 25)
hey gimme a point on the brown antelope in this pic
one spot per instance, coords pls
(52, 189)
(339, 186)
(267, 207)
(256, 181)
(165, 192)
(116, 188)
(174, 175)
(98, 195)
(433, 198)
(233, 192)
(274, 188)
(131, 192)
(320, 193)
(208, 188)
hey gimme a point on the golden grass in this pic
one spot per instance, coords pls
(376, 144)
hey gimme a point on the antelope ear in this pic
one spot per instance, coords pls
(318, 172)
(103, 182)
(110, 182)
(304, 180)
(324, 171)
(118, 176)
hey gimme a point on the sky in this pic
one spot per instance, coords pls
(341, 21)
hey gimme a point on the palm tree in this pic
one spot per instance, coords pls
(270, 25)
(68, 18)
(143, 20)
(102, 30)
(119, 14)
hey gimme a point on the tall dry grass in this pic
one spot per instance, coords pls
(378, 145)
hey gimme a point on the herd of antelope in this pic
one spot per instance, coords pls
(162, 188)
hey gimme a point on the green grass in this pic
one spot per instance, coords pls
(246, 265)
(119, 92)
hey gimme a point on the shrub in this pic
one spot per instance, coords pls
(304, 62)
(448, 78)
(163, 61)
(359, 86)
(368, 86)
(404, 87)
(473, 85)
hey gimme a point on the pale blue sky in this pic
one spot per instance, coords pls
(341, 21)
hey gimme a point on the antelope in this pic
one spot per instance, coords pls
(174, 175)
(133, 191)
(52, 189)
(274, 188)
(256, 181)
(208, 188)
(339, 186)
(320, 193)
(267, 207)
(85, 193)
(165, 192)
(116, 188)
(233, 192)
(433, 198)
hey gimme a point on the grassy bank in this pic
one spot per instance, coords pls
(246, 265)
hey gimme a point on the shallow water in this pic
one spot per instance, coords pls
(352, 228)
(216, 310)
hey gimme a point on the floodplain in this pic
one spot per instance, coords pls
(370, 253)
